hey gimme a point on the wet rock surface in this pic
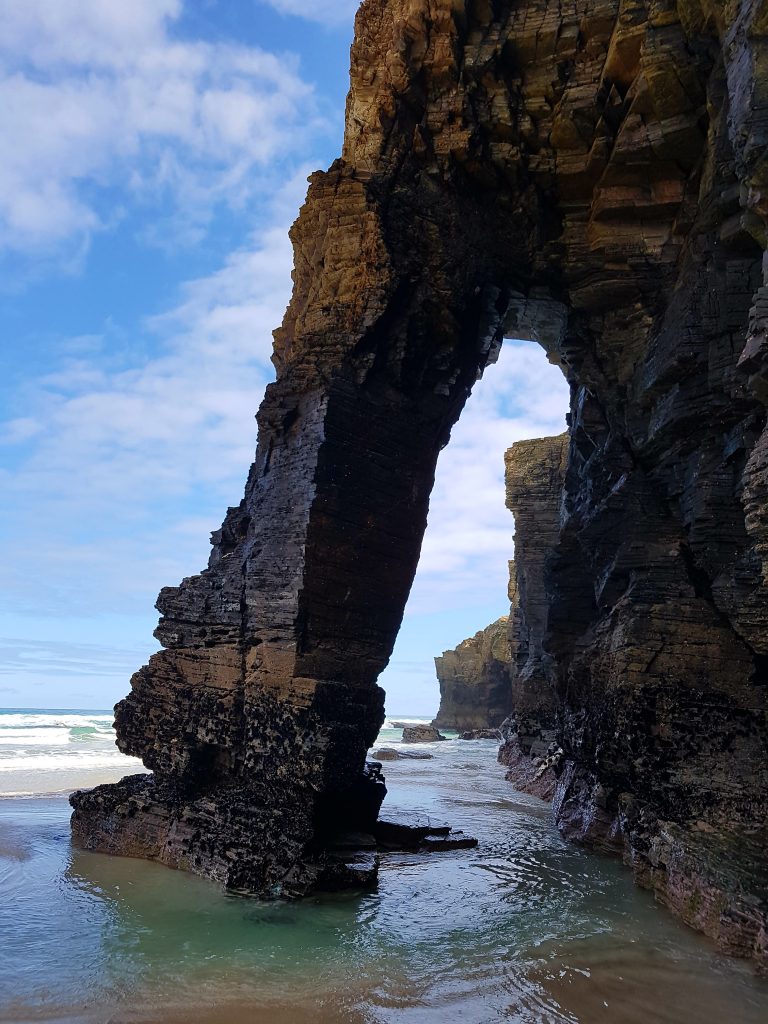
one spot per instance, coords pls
(592, 176)
(412, 831)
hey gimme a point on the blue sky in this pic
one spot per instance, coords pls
(155, 154)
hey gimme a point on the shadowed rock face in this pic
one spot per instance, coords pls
(591, 175)
(475, 685)
(534, 474)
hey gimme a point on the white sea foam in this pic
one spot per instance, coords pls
(12, 720)
(408, 721)
(44, 751)
(41, 751)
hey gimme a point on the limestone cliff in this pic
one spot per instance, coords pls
(475, 686)
(592, 175)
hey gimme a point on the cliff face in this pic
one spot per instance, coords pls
(591, 175)
(534, 474)
(498, 672)
(475, 685)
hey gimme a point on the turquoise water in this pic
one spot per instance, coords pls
(525, 929)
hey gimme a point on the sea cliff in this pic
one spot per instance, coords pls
(592, 176)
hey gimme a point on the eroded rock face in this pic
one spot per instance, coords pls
(475, 686)
(534, 475)
(592, 175)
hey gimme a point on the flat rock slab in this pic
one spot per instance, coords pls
(453, 841)
(390, 754)
(358, 870)
(410, 830)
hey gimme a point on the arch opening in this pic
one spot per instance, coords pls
(598, 187)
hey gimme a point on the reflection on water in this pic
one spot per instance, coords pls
(524, 929)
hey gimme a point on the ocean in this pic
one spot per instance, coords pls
(53, 751)
(524, 929)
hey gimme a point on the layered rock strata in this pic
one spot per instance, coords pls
(500, 677)
(591, 175)
(534, 475)
(474, 680)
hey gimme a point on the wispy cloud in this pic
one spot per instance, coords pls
(469, 534)
(122, 460)
(326, 12)
(102, 107)
(53, 658)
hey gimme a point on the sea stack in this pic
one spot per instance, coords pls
(475, 685)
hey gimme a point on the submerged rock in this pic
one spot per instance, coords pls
(391, 754)
(481, 734)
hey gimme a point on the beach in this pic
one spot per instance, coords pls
(526, 928)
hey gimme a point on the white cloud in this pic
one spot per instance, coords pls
(469, 534)
(327, 12)
(98, 96)
(117, 457)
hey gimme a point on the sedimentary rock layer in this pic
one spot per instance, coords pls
(496, 676)
(475, 686)
(534, 474)
(592, 175)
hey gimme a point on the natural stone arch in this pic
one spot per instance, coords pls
(593, 176)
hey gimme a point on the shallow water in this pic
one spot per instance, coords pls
(524, 929)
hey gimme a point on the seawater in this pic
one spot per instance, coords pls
(55, 751)
(524, 929)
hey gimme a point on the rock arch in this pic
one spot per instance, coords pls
(592, 176)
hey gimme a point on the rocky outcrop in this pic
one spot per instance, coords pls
(496, 677)
(421, 734)
(474, 680)
(534, 475)
(392, 754)
(591, 175)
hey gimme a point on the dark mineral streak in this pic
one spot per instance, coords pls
(592, 175)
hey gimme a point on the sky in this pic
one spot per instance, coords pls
(155, 154)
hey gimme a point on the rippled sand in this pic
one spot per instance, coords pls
(525, 929)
